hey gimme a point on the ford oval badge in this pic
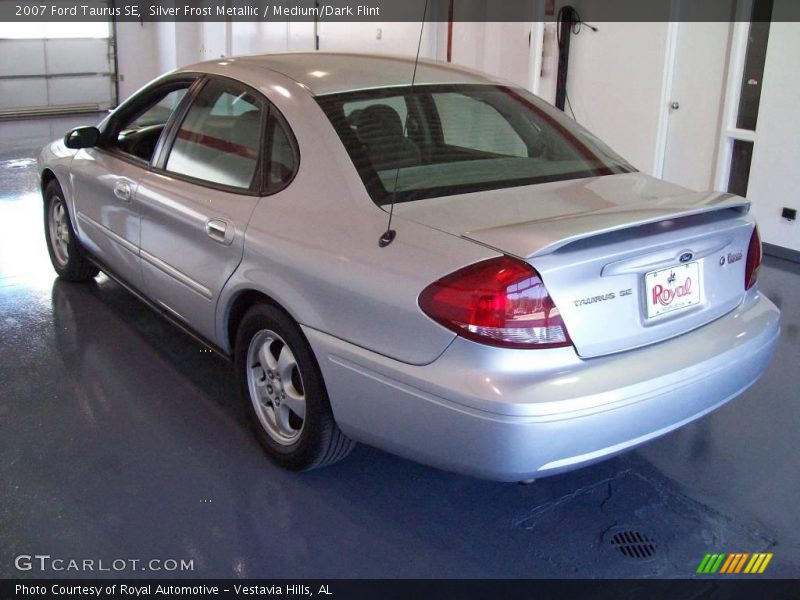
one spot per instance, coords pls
(686, 257)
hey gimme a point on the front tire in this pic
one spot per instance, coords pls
(66, 253)
(281, 386)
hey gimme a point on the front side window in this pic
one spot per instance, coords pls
(138, 135)
(220, 137)
(450, 139)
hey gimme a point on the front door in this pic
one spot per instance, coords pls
(105, 180)
(104, 187)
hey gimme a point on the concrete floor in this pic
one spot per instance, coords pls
(121, 438)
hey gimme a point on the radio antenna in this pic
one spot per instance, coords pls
(389, 235)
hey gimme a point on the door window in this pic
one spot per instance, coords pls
(219, 138)
(139, 134)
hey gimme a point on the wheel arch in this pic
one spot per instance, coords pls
(46, 177)
(238, 306)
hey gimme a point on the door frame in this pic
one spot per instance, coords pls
(729, 133)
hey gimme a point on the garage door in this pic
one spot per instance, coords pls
(52, 68)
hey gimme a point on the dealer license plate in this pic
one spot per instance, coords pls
(673, 289)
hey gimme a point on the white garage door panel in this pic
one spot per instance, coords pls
(78, 56)
(80, 90)
(43, 71)
(21, 57)
(23, 93)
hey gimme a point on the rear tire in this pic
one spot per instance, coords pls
(283, 392)
(66, 253)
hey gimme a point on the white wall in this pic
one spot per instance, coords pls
(501, 49)
(257, 38)
(188, 44)
(137, 60)
(147, 50)
(614, 84)
(379, 38)
(775, 168)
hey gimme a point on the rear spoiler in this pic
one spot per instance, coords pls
(540, 237)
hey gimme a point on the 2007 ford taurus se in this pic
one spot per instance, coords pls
(536, 306)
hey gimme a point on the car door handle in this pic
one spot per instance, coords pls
(218, 231)
(122, 190)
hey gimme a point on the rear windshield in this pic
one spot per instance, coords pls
(442, 140)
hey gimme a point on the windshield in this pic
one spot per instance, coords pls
(455, 139)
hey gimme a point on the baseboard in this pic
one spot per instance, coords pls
(781, 252)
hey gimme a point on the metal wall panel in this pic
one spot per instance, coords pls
(91, 55)
(23, 93)
(92, 89)
(21, 57)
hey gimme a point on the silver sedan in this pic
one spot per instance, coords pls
(534, 304)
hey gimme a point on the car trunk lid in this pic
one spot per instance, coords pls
(629, 260)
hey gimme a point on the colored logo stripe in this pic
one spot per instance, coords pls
(758, 563)
(710, 563)
(734, 563)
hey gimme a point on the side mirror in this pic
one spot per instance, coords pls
(82, 137)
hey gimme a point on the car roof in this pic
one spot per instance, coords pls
(330, 72)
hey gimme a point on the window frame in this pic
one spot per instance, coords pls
(258, 186)
(136, 106)
(276, 116)
(159, 164)
(197, 81)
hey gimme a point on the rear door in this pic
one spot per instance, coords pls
(196, 203)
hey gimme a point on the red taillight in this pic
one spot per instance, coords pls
(753, 260)
(501, 301)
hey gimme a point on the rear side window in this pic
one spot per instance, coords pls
(220, 137)
(282, 161)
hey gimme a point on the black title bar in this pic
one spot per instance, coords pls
(591, 11)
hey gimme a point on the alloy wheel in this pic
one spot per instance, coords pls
(58, 226)
(276, 387)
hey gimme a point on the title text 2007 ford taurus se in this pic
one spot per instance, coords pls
(539, 305)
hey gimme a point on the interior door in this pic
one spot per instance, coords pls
(196, 205)
(695, 103)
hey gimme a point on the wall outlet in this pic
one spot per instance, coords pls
(790, 214)
(378, 33)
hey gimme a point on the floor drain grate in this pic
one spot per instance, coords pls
(634, 544)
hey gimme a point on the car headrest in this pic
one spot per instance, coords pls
(380, 125)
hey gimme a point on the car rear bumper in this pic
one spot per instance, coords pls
(510, 415)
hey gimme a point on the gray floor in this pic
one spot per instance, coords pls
(121, 438)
